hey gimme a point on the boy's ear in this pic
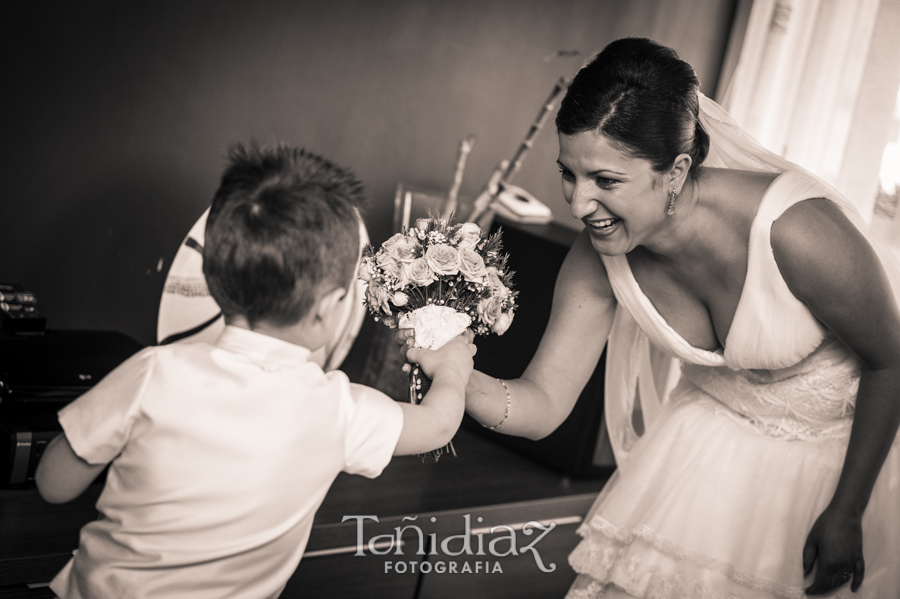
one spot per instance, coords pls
(328, 303)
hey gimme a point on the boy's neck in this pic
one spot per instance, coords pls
(299, 333)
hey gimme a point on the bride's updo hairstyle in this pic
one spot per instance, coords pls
(643, 98)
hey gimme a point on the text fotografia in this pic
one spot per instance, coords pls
(446, 567)
(501, 541)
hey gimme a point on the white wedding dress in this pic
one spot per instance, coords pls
(716, 499)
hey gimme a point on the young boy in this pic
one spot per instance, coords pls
(220, 454)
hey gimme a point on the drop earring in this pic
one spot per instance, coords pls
(670, 207)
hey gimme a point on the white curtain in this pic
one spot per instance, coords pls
(803, 86)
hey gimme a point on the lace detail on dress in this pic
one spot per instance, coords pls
(601, 565)
(593, 591)
(789, 429)
(813, 399)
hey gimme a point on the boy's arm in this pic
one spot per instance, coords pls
(432, 423)
(98, 424)
(61, 475)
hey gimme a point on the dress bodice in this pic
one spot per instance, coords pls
(786, 373)
(771, 328)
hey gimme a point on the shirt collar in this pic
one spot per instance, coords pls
(266, 352)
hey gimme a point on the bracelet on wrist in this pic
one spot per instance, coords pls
(506, 415)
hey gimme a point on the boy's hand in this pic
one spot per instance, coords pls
(406, 339)
(453, 359)
(433, 422)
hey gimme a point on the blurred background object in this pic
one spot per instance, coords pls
(886, 218)
(117, 115)
(485, 204)
(816, 82)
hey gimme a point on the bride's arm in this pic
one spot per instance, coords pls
(580, 321)
(830, 266)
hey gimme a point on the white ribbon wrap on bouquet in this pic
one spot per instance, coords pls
(435, 325)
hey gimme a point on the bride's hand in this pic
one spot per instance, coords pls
(405, 338)
(834, 545)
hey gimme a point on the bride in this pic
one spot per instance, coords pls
(772, 468)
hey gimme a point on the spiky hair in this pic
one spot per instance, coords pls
(256, 166)
(283, 228)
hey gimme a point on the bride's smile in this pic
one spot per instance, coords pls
(620, 199)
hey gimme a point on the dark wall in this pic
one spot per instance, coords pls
(116, 116)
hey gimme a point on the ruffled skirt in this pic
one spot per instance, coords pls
(709, 506)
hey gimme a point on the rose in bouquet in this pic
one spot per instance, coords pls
(439, 279)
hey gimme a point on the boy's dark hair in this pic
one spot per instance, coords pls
(283, 228)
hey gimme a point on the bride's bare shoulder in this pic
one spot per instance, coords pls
(817, 248)
(814, 228)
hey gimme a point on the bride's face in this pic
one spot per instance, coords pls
(620, 199)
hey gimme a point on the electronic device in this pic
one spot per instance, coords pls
(39, 375)
(514, 203)
(19, 310)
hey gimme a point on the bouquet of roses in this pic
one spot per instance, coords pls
(439, 279)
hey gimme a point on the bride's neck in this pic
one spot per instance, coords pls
(681, 236)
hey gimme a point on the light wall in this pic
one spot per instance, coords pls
(116, 116)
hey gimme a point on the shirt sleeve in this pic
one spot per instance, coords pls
(98, 423)
(373, 431)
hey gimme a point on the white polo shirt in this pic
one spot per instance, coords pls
(221, 454)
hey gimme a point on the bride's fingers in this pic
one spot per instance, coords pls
(859, 570)
(400, 336)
